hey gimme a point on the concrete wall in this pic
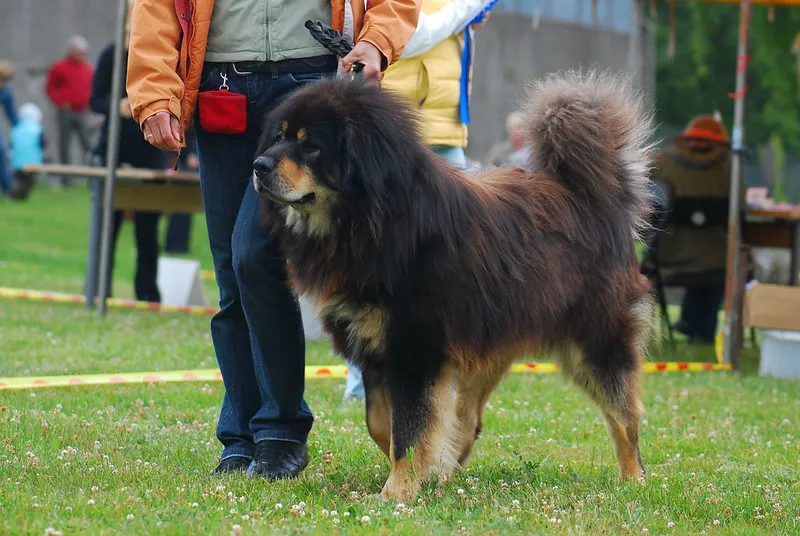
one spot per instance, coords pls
(509, 52)
(34, 33)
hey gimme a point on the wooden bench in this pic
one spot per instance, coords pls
(135, 189)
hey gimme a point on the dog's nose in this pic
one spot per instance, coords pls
(264, 164)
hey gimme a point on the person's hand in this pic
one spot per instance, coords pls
(192, 162)
(162, 129)
(482, 23)
(367, 55)
(125, 108)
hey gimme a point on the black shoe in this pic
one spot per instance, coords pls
(277, 459)
(234, 464)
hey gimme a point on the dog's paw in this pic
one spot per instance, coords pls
(400, 490)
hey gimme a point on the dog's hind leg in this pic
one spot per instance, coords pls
(609, 373)
(473, 393)
(424, 431)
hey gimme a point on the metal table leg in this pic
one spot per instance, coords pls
(93, 258)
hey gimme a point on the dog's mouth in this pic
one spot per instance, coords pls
(304, 201)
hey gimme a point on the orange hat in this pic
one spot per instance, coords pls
(706, 127)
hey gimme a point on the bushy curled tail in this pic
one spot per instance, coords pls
(591, 131)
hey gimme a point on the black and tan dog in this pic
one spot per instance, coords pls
(433, 281)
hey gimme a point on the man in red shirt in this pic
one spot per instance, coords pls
(69, 86)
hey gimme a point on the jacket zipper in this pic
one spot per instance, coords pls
(188, 18)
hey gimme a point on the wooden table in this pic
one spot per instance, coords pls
(135, 189)
(770, 228)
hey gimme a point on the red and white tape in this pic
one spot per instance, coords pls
(59, 297)
(312, 373)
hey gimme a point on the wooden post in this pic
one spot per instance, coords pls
(733, 287)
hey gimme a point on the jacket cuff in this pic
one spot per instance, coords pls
(171, 105)
(379, 41)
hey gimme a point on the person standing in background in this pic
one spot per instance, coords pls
(69, 86)
(9, 105)
(133, 151)
(435, 73)
(511, 151)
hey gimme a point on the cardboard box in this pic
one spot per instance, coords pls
(772, 307)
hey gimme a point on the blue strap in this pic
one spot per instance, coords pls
(466, 64)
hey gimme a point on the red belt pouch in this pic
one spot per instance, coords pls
(223, 111)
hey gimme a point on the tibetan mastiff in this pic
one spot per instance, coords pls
(433, 281)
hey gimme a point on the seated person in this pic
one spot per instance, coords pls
(692, 245)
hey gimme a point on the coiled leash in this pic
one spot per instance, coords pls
(334, 42)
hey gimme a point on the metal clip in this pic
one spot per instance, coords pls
(224, 85)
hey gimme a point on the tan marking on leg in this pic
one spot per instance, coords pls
(622, 413)
(627, 451)
(379, 418)
(402, 484)
(474, 392)
(437, 450)
(479, 377)
(435, 454)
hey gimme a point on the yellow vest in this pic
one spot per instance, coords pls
(432, 82)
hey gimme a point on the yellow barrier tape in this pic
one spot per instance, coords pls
(312, 373)
(60, 297)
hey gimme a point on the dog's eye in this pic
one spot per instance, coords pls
(278, 138)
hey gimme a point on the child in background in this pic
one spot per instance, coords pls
(7, 103)
(27, 147)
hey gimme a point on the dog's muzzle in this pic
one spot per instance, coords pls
(264, 183)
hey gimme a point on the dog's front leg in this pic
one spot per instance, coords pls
(424, 432)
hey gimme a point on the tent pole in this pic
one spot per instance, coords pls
(112, 153)
(734, 290)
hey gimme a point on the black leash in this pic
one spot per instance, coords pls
(333, 41)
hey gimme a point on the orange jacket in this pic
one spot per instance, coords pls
(169, 37)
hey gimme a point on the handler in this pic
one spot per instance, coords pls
(260, 51)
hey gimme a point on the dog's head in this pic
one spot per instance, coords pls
(334, 148)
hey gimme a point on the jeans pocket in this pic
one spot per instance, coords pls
(304, 78)
(210, 75)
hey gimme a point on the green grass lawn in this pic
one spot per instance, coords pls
(723, 450)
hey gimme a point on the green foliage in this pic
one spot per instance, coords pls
(702, 72)
(779, 163)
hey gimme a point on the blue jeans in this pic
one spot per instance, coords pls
(258, 333)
